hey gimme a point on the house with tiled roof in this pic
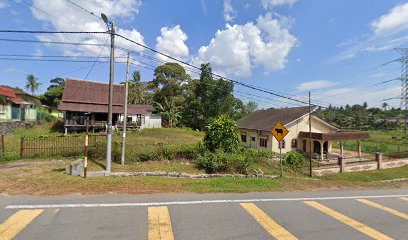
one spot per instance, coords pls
(255, 130)
(16, 105)
(81, 98)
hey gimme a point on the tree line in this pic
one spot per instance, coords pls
(361, 117)
(181, 100)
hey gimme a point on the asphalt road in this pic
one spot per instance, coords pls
(335, 214)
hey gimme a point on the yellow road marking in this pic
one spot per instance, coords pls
(404, 198)
(387, 209)
(159, 224)
(351, 222)
(17, 222)
(267, 223)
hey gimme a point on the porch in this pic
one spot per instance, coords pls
(321, 144)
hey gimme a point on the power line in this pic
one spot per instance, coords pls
(51, 32)
(77, 5)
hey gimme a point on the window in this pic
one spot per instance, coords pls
(282, 144)
(263, 142)
(253, 139)
(243, 137)
(294, 143)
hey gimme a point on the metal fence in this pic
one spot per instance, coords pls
(60, 146)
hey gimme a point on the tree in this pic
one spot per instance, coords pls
(169, 83)
(53, 95)
(384, 106)
(32, 83)
(137, 90)
(56, 82)
(222, 134)
(170, 112)
(208, 98)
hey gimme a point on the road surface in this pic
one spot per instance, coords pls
(335, 214)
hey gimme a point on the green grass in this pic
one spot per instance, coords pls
(370, 176)
(385, 141)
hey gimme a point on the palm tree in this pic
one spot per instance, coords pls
(384, 106)
(137, 90)
(32, 85)
(170, 111)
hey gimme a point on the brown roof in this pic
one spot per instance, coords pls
(89, 96)
(266, 119)
(82, 91)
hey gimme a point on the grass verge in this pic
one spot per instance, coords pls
(50, 179)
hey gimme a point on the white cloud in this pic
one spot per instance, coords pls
(312, 85)
(270, 3)
(394, 21)
(238, 48)
(172, 42)
(63, 15)
(388, 31)
(229, 12)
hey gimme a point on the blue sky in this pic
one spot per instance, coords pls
(335, 49)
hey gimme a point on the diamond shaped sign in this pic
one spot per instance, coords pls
(279, 131)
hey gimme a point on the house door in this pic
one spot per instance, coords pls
(326, 147)
(253, 142)
(316, 147)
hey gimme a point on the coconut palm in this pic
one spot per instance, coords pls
(169, 111)
(32, 83)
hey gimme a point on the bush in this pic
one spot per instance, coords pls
(219, 161)
(148, 155)
(222, 134)
(294, 159)
(9, 156)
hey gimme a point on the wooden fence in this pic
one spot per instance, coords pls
(60, 146)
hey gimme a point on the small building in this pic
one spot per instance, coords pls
(255, 130)
(16, 105)
(82, 97)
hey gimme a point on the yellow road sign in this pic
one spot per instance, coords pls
(279, 131)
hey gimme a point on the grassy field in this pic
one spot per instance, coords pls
(146, 136)
(390, 142)
(50, 179)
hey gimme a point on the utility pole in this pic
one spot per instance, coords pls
(122, 160)
(310, 136)
(111, 31)
(86, 144)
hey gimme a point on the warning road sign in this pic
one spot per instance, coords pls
(279, 131)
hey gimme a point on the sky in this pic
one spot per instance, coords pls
(339, 50)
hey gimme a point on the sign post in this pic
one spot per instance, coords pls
(279, 132)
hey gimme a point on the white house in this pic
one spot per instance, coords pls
(255, 130)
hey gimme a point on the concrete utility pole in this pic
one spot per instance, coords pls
(310, 136)
(111, 30)
(122, 160)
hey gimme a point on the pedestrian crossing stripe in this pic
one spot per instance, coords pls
(17, 222)
(387, 209)
(272, 227)
(159, 224)
(348, 221)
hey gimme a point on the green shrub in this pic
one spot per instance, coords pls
(294, 160)
(219, 161)
(222, 134)
(9, 156)
(211, 162)
(148, 155)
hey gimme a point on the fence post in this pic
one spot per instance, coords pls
(3, 147)
(21, 147)
(341, 163)
(378, 159)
